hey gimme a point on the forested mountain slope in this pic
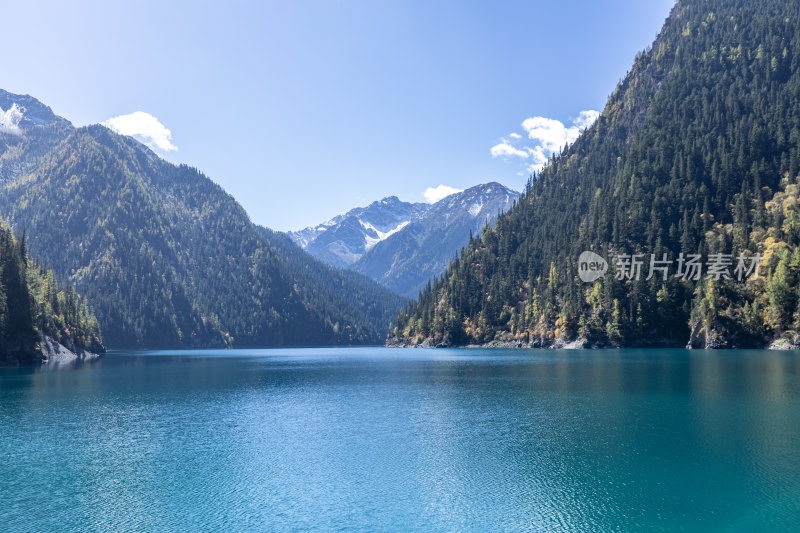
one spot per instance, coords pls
(696, 152)
(372, 301)
(165, 256)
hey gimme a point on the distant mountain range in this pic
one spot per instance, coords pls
(400, 244)
(165, 256)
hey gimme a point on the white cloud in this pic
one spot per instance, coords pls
(549, 132)
(9, 120)
(145, 127)
(549, 136)
(552, 134)
(506, 150)
(434, 194)
(586, 118)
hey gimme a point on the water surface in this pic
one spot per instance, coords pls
(372, 439)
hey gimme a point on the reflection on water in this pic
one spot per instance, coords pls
(392, 439)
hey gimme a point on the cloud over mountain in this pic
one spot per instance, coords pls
(144, 127)
(9, 120)
(434, 194)
(544, 137)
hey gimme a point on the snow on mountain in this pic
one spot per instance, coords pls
(402, 244)
(21, 111)
(344, 239)
(28, 131)
(374, 235)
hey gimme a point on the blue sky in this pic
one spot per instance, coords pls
(305, 109)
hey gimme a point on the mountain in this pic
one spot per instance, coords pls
(345, 239)
(28, 131)
(400, 244)
(697, 152)
(166, 257)
(407, 259)
(23, 112)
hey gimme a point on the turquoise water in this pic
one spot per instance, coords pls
(370, 439)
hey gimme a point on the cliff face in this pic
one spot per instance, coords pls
(53, 352)
(64, 348)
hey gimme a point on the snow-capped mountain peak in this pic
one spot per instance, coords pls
(21, 111)
(390, 235)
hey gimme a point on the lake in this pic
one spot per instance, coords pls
(368, 439)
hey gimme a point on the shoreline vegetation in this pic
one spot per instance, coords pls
(782, 343)
(41, 320)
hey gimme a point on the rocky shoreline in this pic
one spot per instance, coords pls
(47, 352)
(781, 343)
(55, 353)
